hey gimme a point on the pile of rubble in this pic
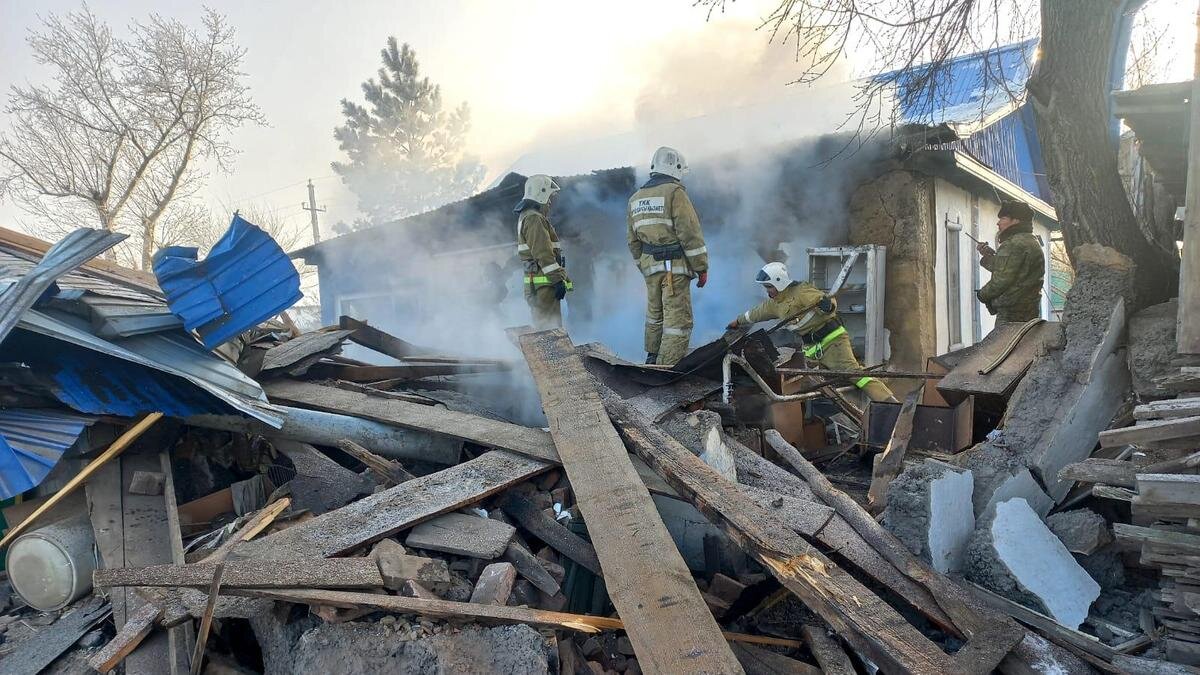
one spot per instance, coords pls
(261, 502)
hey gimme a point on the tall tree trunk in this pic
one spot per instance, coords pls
(1069, 91)
(149, 230)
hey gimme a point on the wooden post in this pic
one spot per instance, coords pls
(1187, 327)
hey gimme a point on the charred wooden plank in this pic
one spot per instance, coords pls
(299, 573)
(868, 623)
(669, 624)
(386, 513)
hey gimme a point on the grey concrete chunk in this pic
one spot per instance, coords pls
(146, 483)
(397, 568)
(1081, 531)
(1014, 554)
(929, 510)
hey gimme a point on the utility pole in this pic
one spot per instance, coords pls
(311, 207)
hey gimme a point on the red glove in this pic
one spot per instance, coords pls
(702, 280)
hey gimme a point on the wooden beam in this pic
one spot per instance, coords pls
(827, 651)
(447, 609)
(118, 446)
(214, 590)
(373, 338)
(889, 463)
(261, 520)
(298, 573)
(1148, 432)
(390, 473)
(1187, 325)
(1156, 410)
(136, 628)
(863, 619)
(1117, 472)
(670, 626)
(385, 513)
(557, 537)
(462, 426)
(970, 617)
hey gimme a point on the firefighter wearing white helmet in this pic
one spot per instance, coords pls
(666, 241)
(812, 317)
(545, 280)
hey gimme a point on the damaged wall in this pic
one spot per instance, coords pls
(896, 210)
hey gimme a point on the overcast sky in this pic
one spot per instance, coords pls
(531, 71)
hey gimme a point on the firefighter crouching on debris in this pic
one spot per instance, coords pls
(666, 241)
(1018, 267)
(546, 282)
(812, 315)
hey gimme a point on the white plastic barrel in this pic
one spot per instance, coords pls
(52, 566)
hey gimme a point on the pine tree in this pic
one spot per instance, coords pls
(405, 153)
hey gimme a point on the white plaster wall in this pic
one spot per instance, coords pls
(954, 200)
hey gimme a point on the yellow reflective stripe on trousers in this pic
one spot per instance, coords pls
(863, 381)
(812, 351)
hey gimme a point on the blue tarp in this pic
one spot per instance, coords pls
(246, 279)
(31, 443)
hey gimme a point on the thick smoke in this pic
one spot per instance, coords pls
(769, 178)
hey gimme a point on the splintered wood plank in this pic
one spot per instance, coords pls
(1180, 407)
(670, 626)
(890, 462)
(147, 541)
(1150, 432)
(302, 348)
(827, 651)
(1119, 472)
(557, 537)
(462, 534)
(462, 426)
(386, 513)
(301, 573)
(758, 661)
(127, 639)
(862, 618)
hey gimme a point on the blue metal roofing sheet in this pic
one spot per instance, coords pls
(171, 352)
(31, 443)
(1011, 148)
(246, 279)
(968, 88)
(96, 383)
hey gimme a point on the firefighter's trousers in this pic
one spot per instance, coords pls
(543, 306)
(837, 354)
(668, 316)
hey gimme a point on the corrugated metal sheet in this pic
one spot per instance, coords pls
(966, 89)
(246, 279)
(1010, 146)
(31, 443)
(173, 353)
(16, 264)
(72, 251)
(96, 383)
(121, 317)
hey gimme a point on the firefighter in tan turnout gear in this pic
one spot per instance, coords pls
(666, 241)
(546, 282)
(812, 316)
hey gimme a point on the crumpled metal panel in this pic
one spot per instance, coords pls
(169, 352)
(72, 251)
(31, 443)
(246, 279)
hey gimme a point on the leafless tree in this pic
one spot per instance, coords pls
(117, 134)
(914, 40)
(1151, 48)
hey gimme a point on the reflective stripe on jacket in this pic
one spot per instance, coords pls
(661, 218)
(538, 246)
(798, 303)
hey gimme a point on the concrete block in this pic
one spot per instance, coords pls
(1019, 484)
(929, 510)
(701, 433)
(1081, 531)
(495, 584)
(397, 568)
(1014, 554)
(462, 534)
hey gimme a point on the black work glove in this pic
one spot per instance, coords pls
(560, 290)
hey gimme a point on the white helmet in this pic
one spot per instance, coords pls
(668, 161)
(540, 187)
(774, 274)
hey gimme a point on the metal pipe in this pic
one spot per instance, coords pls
(886, 374)
(322, 428)
(727, 382)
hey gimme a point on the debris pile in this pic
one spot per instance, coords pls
(274, 505)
